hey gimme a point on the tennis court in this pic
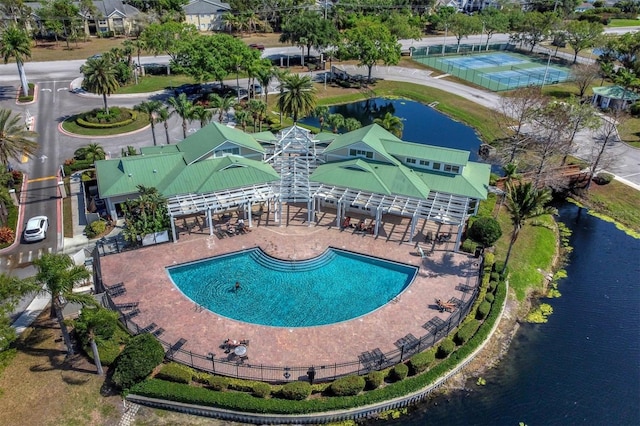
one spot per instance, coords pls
(494, 70)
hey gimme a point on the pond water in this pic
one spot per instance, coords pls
(579, 368)
(422, 124)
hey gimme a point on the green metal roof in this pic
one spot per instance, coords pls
(266, 136)
(160, 149)
(219, 174)
(325, 136)
(122, 176)
(372, 135)
(370, 176)
(171, 176)
(432, 153)
(616, 92)
(473, 182)
(207, 139)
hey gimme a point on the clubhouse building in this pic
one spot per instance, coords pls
(367, 173)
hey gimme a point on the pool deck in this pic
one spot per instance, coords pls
(443, 275)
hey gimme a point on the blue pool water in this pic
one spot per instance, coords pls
(336, 286)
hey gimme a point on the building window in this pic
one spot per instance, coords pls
(436, 166)
(451, 169)
(411, 161)
(424, 163)
(102, 22)
(360, 153)
(225, 152)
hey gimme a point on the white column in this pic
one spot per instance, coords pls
(378, 219)
(309, 212)
(173, 229)
(413, 227)
(250, 213)
(210, 220)
(339, 214)
(456, 247)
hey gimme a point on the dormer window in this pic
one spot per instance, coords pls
(436, 166)
(360, 153)
(228, 151)
(410, 161)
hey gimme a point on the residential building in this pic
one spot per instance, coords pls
(206, 15)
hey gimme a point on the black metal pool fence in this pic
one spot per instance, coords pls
(532, 73)
(436, 329)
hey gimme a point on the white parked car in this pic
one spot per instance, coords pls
(36, 229)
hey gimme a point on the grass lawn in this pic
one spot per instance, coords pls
(629, 132)
(39, 387)
(154, 83)
(624, 23)
(70, 126)
(50, 51)
(534, 249)
(617, 201)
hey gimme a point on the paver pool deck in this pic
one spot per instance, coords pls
(442, 275)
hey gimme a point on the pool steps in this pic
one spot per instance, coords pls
(267, 261)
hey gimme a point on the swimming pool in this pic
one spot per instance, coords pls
(333, 287)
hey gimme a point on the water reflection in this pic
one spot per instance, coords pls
(422, 124)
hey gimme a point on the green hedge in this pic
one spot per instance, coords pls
(374, 379)
(140, 356)
(483, 309)
(399, 372)
(86, 124)
(261, 390)
(445, 348)
(218, 383)
(348, 385)
(468, 246)
(154, 388)
(467, 331)
(296, 391)
(421, 362)
(174, 372)
(95, 228)
(489, 297)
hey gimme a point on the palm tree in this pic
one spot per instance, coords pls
(241, 116)
(525, 202)
(151, 108)
(163, 115)
(57, 273)
(14, 43)
(92, 152)
(204, 115)
(100, 77)
(335, 121)
(257, 109)
(391, 123)
(264, 76)
(183, 107)
(281, 76)
(299, 97)
(321, 112)
(226, 104)
(351, 124)
(15, 139)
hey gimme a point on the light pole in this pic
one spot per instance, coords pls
(546, 71)
(444, 42)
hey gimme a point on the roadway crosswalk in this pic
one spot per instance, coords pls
(23, 257)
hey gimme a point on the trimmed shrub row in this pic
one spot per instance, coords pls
(89, 125)
(174, 372)
(349, 385)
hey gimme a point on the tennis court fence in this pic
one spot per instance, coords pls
(496, 78)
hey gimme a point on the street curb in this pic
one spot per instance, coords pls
(18, 237)
(75, 135)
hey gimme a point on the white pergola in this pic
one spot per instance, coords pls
(295, 156)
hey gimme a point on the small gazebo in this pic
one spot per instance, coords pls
(614, 97)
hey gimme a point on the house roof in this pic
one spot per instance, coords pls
(371, 176)
(473, 182)
(265, 136)
(372, 136)
(104, 8)
(170, 174)
(210, 137)
(616, 92)
(205, 7)
(427, 152)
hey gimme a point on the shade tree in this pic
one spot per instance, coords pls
(307, 29)
(370, 42)
(581, 35)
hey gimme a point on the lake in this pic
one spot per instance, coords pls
(582, 367)
(422, 124)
